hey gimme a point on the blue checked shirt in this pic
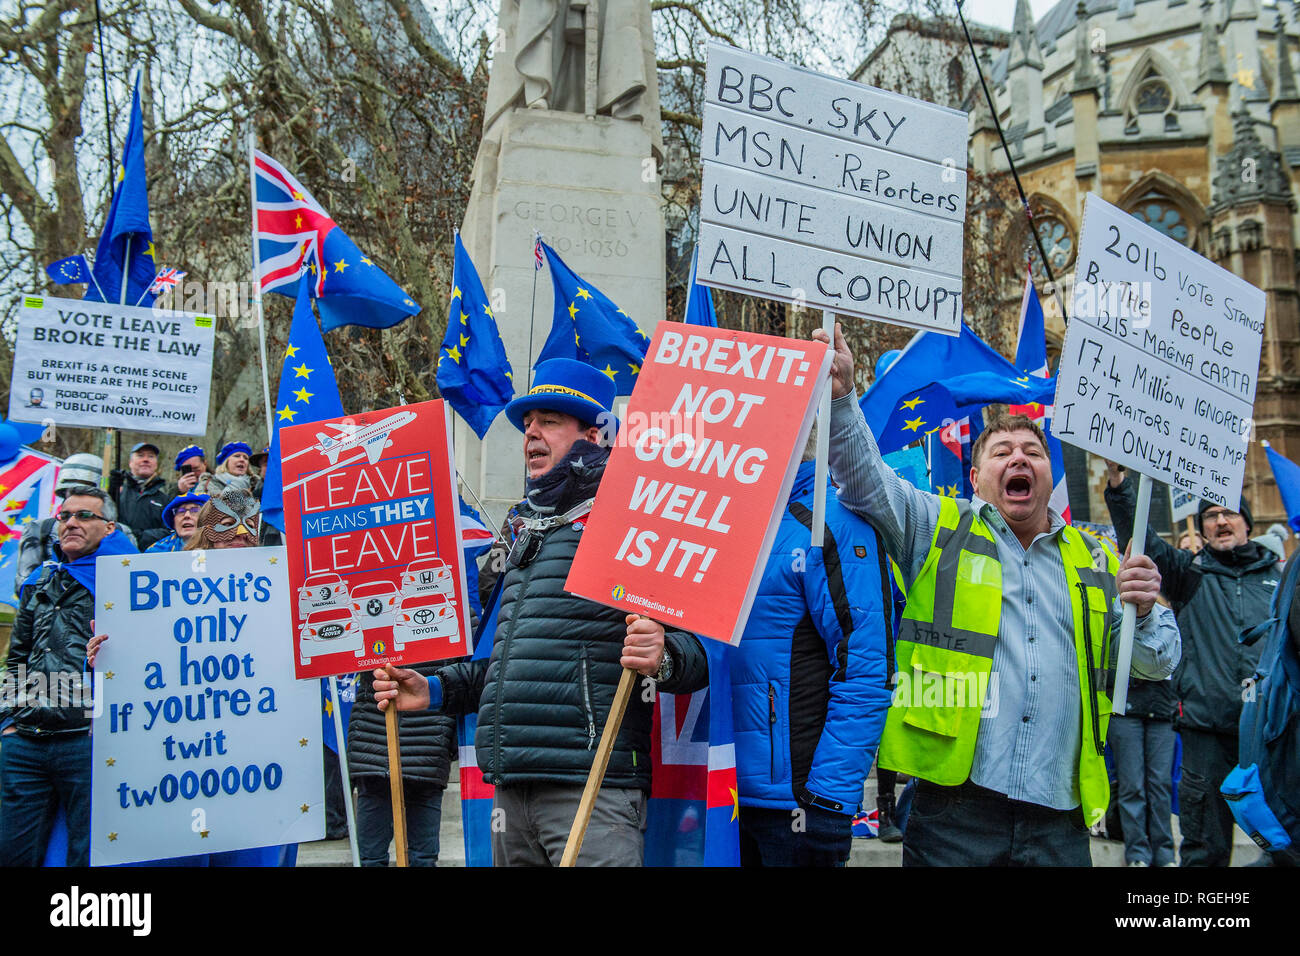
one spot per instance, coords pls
(1028, 741)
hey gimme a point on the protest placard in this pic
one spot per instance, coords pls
(831, 194)
(102, 365)
(696, 485)
(373, 529)
(1161, 357)
(202, 740)
(1182, 505)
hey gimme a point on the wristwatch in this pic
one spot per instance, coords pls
(665, 667)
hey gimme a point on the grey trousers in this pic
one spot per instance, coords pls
(531, 823)
(1144, 764)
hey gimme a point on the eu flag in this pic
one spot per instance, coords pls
(294, 233)
(929, 357)
(940, 403)
(1287, 474)
(699, 299)
(592, 329)
(307, 393)
(69, 270)
(126, 231)
(474, 375)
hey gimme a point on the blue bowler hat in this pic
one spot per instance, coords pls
(230, 448)
(189, 451)
(569, 386)
(169, 513)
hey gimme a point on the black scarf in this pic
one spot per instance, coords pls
(573, 479)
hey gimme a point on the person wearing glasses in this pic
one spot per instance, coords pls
(44, 717)
(182, 516)
(1217, 591)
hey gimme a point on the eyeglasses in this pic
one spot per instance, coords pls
(1222, 514)
(189, 510)
(82, 515)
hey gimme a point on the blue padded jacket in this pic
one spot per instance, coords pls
(810, 679)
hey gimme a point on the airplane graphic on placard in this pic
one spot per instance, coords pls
(372, 439)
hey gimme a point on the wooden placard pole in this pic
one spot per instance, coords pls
(823, 444)
(626, 684)
(1137, 547)
(395, 784)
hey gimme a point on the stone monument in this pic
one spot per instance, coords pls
(571, 146)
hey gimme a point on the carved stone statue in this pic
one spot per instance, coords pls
(542, 61)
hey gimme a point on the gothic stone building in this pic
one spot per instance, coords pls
(1185, 113)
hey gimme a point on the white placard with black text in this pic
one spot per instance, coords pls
(202, 739)
(101, 365)
(1161, 357)
(831, 194)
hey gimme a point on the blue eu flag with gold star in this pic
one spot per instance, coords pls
(474, 375)
(940, 403)
(592, 329)
(127, 226)
(307, 393)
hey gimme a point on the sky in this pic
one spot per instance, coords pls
(1001, 13)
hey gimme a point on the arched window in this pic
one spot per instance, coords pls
(1153, 94)
(1160, 212)
(1057, 236)
(956, 84)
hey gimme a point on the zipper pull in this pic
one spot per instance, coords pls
(771, 704)
(591, 734)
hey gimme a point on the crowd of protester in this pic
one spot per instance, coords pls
(825, 683)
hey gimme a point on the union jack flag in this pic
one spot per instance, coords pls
(293, 232)
(290, 226)
(166, 279)
(538, 257)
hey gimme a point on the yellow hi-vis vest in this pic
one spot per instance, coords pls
(945, 653)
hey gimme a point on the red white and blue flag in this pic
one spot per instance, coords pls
(1031, 358)
(693, 817)
(26, 494)
(293, 232)
(167, 279)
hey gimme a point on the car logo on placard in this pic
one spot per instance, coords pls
(426, 577)
(423, 615)
(325, 594)
(374, 607)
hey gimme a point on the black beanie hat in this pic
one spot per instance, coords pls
(1243, 509)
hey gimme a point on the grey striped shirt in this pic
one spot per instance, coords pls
(1028, 741)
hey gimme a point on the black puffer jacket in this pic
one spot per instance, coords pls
(49, 637)
(428, 740)
(141, 504)
(1215, 594)
(543, 697)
